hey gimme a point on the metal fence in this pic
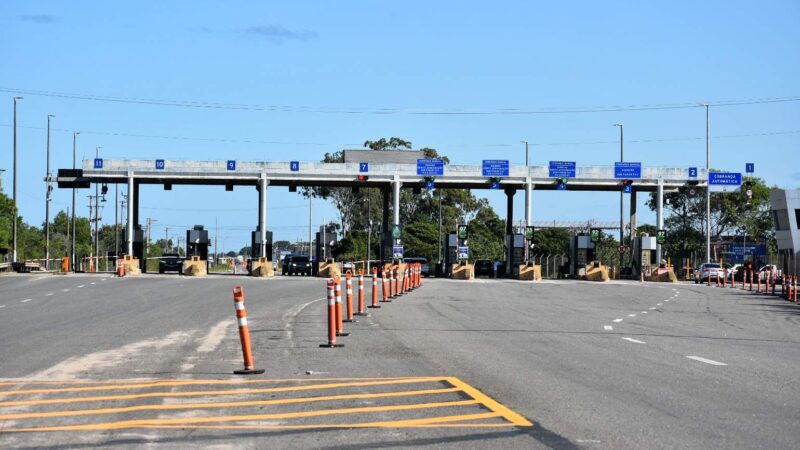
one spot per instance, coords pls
(551, 264)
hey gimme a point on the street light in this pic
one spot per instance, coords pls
(49, 189)
(708, 190)
(16, 205)
(527, 196)
(96, 218)
(621, 194)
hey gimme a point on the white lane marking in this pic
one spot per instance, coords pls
(635, 341)
(659, 304)
(608, 327)
(26, 300)
(617, 320)
(49, 294)
(65, 290)
(666, 300)
(82, 285)
(644, 312)
(101, 280)
(707, 361)
(631, 315)
(2, 306)
(653, 308)
(92, 282)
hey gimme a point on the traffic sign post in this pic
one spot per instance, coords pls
(397, 252)
(430, 167)
(231, 165)
(529, 233)
(661, 237)
(724, 181)
(160, 164)
(750, 167)
(98, 163)
(495, 167)
(594, 234)
(429, 185)
(294, 166)
(559, 169)
(692, 172)
(621, 249)
(461, 231)
(363, 167)
(463, 253)
(627, 170)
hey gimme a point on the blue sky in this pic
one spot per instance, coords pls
(318, 59)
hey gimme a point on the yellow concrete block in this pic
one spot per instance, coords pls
(663, 276)
(131, 266)
(530, 272)
(463, 271)
(328, 269)
(596, 272)
(262, 268)
(194, 267)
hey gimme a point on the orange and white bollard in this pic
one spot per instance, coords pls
(750, 274)
(331, 316)
(244, 334)
(362, 309)
(709, 278)
(338, 296)
(795, 289)
(349, 288)
(374, 288)
(387, 287)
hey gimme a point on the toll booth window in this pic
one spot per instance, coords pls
(781, 218)
(797, 218)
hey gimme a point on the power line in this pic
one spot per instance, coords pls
(390, 111)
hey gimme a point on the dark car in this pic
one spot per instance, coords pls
(426, 268)
(484, 267)
(170, 262)
(296, 264)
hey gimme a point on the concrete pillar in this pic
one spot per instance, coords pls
(396, 184)
(635, 263)
(528, 212)
(135, 203)
(262, 213)
(659, 214)
(509, 230)
(132, 194)
(384, 226)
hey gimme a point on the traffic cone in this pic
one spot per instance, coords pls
(244, 334)
(331, 316)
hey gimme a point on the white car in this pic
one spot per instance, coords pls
(772, 269)
(702, 273)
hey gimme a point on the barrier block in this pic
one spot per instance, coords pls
(262, 268)
(194, 267)
(596, 272)
(329, 269)
(131, 266)
(530, 272)
(663, 275)
(463, 271)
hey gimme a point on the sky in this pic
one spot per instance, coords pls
(322, 76)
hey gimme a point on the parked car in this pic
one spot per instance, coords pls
(776, 273)
(296, 264)
(426, 268)
(170, 262)
(733, 272)
(484, 267)
(702, 273)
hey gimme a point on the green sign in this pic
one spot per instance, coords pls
(661, 236)
(594, 234)
(529, 233)
(461, 231)
(396, 231)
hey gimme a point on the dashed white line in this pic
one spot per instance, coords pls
(92, 282)
(659, 304)
(65, 290)
(631, 315)
(617, 320)
(707, 361)
(48, 294)
(608, 327)
(26, 300)
(82, 285)
(644, 312)
(653, 308)
(2, 306)
(666, 300)
(635, 341)
(101, 280)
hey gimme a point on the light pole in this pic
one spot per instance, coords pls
(527, 199)
(74, 231)
(708, 191)
(96, 218)
(621, 194)
(16, 205)
(49, 189)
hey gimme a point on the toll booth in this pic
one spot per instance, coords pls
(517, 243)
(581, 251)
(644, 253)
(323, 245)
(450, 255)
(138, 245)
(255, 245)
(197, 243)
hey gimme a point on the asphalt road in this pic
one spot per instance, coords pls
(96, 361)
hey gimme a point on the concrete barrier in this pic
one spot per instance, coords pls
(663, 275)
(262, 268)
(596, 272)
(463, 271)
(530, 272)
(329, 269)
(195, 267)
(131, 265)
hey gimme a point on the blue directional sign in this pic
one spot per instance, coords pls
(160, 164)
(724, 181)
(430, 167)
(429, 185)
(231, 165)
(750, 167)
(561, 187)
(627, 170)
(397, 251)
(692, 172)
(561, 169)
(294, 166)
(494, 185)
(495, 167)
(627, 189)
(363, 167)
(98, 163)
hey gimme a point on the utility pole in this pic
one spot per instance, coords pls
(166, 241)
(309, 228)
(216, 235)
(49, 189)
(16, 205)
(74, 257)
(116, 221)
(621, 194)
(369, 229)
(708, 190)
(96, 218)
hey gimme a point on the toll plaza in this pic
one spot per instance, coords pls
(381, 170)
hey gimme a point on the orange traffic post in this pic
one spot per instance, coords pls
(386, 287)
(349, 288)
(744, 277)
(758, 283)
(709, 278)
(338, 296)
(773, 281)
(374, 288)
(795, 289)
(724, 276)
(244, 334)
(331, 316)
(362, 309)
(766, 282)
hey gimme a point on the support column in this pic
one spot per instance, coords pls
(509, 230)
(635, 264)
(528, 212)
(262, 213)
(659, 215)
(396, 184)
(135, 202)
(132, 195)
(384, 225)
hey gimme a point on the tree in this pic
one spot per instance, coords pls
(551, 241)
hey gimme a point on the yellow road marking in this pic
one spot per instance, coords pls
(219, 392)
(161, 383)
(490, 403)
(284, 401)
(199, 420)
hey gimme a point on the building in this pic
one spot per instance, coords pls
(785, 205)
